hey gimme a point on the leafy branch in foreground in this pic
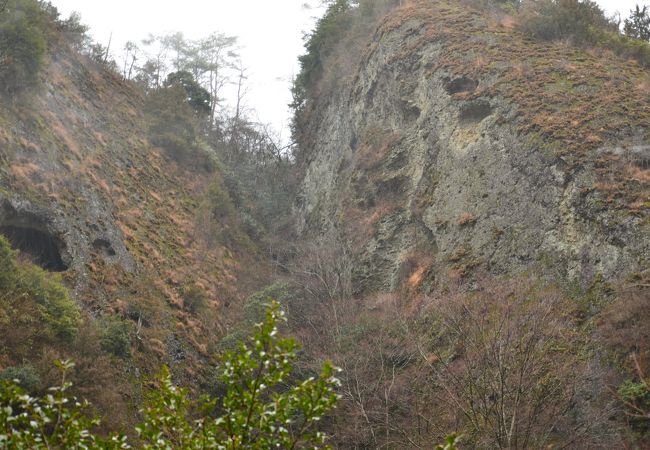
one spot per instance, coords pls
(258, 410)
(51, 422)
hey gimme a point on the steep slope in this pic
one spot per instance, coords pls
(456, 143)
(133, 232)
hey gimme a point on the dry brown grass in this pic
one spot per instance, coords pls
(638, 174)
(25, 171)
(374, 148)
(466, 218)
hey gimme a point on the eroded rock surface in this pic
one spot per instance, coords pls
(414, 156)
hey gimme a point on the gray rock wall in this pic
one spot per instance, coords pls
(403, 150)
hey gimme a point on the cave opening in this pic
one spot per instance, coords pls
(476, 111)
(41, 247)
(460, 85)
(104, 247)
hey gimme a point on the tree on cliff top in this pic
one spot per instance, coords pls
(638, 24)
(22, 44)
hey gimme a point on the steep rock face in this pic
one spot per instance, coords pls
(459, 144)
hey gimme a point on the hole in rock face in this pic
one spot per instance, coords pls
(640, 157)
(461, 84)
(392, 186)
(42, 247)
(103, 246)
(475, 111)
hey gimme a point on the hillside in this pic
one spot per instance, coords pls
(131, 230)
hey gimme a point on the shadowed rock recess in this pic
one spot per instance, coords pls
(42, 247)
(32, 233)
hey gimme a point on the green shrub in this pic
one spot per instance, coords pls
(218, 198)
(172, 125)
(632, 392)
(26, 375)
(57, 311)
(256, 305)
(231, 341)
(506, 6)
(636, 398)
(194, 299)
(563, 19)
(116, 337)
(7, 264)
(22, 45)
(623, 45)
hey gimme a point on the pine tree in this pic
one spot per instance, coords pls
(638, 24)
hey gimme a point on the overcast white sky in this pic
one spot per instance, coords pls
(269, 31)
(269, 34)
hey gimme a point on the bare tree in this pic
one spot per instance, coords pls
(130, 57)
(155, 67)
(215, 56)
(507, 363)
(108, 48)
(242, 90)
(323, 267)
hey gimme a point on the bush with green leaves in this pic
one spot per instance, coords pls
(22, 44)
(26, 376)
(635, 395)
(53, 421)
(255, 304)
(262, 407)
(563, 19)
(623, 45)
(116, 337)
(194, 299)
(28, 290)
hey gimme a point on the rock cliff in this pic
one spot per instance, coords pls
(454, 144)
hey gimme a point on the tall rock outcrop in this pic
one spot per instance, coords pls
(454, 143)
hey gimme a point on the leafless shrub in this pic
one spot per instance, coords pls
(624, 333)
(507, 363)
(323, 267)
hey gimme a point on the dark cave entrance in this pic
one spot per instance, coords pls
(41, 247)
